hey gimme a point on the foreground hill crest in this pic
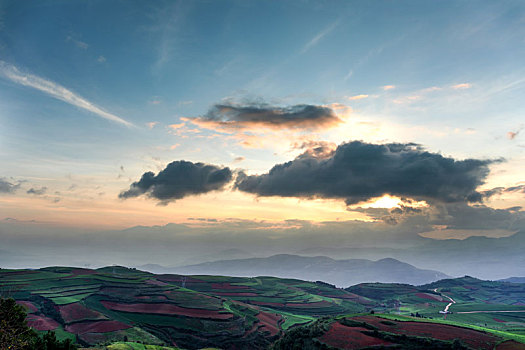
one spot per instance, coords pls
(118, 304)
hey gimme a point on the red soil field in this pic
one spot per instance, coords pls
(430, 297)
(41, 323)
(175, 278)
(239, 294)
(470, 287)
(343, 337)
(227, 286)
(174, 295)
(77, 272)
(124, 291)
(151, 297)
(309, 305)
(30, 307)
(156, 283)
(498, 320)
(77, 312)
(96, 327)
(266, 303)
(510, 345)
(197, 298)
(478, 340)
(165, 309)
(348, 296)
(270, 322)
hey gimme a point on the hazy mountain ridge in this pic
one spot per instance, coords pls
(513, 280)
(342, 273)
(179, 245)
(476, 256)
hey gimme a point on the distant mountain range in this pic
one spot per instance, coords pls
(514, 280)
(483, 257)
(342, 273)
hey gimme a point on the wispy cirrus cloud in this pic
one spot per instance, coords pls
(462, 86)
(79, 43)
(151, 125)
(357, 97)
(319, 36)
(55, 90)
(511, 135)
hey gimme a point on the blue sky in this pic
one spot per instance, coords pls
(89, 89)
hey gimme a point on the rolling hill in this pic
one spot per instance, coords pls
(117, 307)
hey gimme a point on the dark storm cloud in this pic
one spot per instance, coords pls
(358, 171)
(234, 116)
(8, 187)
(180, 179)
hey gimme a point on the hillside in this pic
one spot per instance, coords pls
(121, 306)
(341, 273)
(386, 331)
(117, 303)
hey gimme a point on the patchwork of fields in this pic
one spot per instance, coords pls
(120, 307)
(119, 304)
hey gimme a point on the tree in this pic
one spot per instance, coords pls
(49, 342)
(16, 335)
(14, 332)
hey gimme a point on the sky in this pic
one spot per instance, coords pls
(379, 116)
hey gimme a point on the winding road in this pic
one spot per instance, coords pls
(488, 311)
(445, 311)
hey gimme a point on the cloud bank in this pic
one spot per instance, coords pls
(56, 91)
(234, 117)
(179, 179)
(358, 171)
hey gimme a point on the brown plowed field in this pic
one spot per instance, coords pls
(165, 309)
(343, 337)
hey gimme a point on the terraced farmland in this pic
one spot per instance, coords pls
(121, 306)
(494, 306)
(385, 331)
